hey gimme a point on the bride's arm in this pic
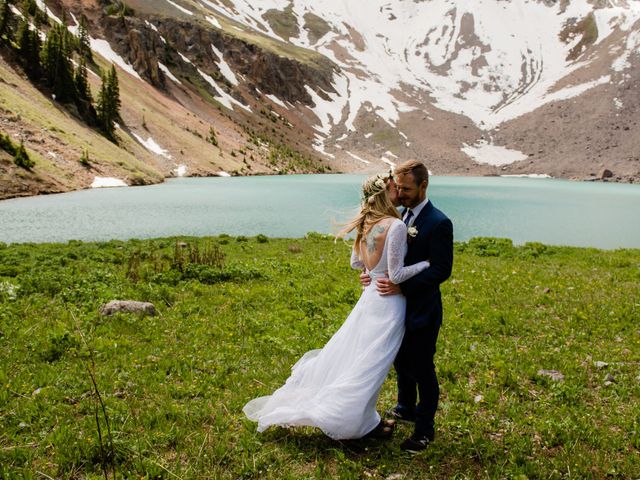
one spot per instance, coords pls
(396, 251)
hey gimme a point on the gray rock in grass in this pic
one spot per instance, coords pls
(554, 375)
(127, 306)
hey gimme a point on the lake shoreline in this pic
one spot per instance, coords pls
(549, 211)
(630, 180)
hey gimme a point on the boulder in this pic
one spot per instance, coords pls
(127, 306)
(604, 173)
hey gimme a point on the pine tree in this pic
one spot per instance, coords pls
(24, 39)
(81, 81)
(29, 47)
(6, 18)
(108, 105)
(84, 43)
(56, 61)
(114, 92)
(30, 7)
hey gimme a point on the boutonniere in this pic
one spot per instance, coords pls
(412, 231)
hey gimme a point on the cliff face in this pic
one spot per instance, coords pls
(142, 45)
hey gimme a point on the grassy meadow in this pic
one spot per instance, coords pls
(131, 396)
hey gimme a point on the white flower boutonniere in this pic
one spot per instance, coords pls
(412, 231)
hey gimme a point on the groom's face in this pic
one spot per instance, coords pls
(410, 193)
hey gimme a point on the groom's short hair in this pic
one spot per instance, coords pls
(414, 167)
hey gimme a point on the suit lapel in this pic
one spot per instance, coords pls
(424, 213)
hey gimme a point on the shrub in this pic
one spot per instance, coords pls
(84, 159)
(262, 238)
(21, 158)
(532, 249)
(489, 246)
(7, 145)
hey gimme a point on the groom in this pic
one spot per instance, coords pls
(430, 237)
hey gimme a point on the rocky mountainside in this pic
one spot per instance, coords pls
(217, 87)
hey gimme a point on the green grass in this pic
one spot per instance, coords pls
(172, 386)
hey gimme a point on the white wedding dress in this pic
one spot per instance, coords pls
(336, 388)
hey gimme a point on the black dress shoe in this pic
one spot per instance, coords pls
(382, 431)
(397, 414)
(416, 443)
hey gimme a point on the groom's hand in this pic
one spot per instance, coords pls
(386, 287)
(365, 279)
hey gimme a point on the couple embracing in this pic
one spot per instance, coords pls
(405, 256)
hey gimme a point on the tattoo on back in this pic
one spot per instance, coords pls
(371, 237)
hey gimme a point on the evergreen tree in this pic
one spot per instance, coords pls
(21, 158)
(6, 18)
(84, 43)
(108, 105)
(81, 81)
(30, 7)
(29, 47)
(56, 61)
(114, 92)
(24, 39)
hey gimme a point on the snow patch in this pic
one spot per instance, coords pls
(180, 170)
(388, 162)
(213, 21)
(182, 9)
(484, 152)
(104, 49)
(104, 182)
(184, 59)
(224, 67)
(358, 158)
(222, 174)
(224, 98)
(151, 145)
(168, 73)
(276, 100)
(618, 103)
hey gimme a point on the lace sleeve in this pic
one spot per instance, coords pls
(396, 251)
(356, 263)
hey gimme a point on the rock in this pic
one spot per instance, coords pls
(181, 245)
(127, 306)
(22, 425)
(395, 476)
(604, 173)
(609, 379)
(554, 375)
(478, 399)
(547, 290)
(600, 364)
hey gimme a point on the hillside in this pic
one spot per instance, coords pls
(548, 88)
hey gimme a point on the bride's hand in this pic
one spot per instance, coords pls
(365, 279)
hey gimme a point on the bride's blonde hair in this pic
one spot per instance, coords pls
(375, 206)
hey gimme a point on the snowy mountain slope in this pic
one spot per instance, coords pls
(488, 60)
(479, 87)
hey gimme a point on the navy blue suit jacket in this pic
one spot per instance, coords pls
(434, 242)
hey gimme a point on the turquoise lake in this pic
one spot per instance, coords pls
(602, 215)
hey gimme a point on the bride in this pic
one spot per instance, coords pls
(336, 388)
